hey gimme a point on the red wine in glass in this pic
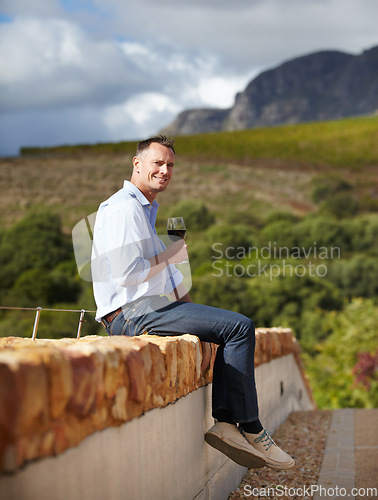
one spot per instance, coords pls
(176, 228)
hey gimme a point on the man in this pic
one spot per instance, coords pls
(133, 272)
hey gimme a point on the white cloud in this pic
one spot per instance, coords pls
(53, 63)
(123, 69)
(143, 113)
(40, 8)
(257, 33)
(220, 91)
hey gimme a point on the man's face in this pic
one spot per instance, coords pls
(153, 170)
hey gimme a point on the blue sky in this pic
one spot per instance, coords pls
(80, 71)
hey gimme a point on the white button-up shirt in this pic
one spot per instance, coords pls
(124, 237)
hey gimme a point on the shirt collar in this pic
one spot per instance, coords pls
(132, 189)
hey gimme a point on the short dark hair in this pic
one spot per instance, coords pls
(160, 139)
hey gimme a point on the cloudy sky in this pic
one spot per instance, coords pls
(87, 71)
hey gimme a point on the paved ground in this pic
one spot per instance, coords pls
(336, 452)
(350, 462)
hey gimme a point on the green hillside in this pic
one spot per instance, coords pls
(282, 226)
(349, 142)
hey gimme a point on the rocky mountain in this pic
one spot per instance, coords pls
(325, 85)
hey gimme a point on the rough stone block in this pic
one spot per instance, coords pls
(168, 347)
(54, 393)
(23, 392)
(60, 380)
(84, 378)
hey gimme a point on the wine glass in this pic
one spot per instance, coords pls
(176, 228)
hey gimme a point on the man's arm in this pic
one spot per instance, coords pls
(174, 254)
(185, 298)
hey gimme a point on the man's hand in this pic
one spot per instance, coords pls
(175, 253)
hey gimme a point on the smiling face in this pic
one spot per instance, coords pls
(153, 170)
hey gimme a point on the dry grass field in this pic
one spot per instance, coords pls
(73, 186)
(252, 172)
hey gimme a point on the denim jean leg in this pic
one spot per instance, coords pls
(234, 375)
(220, 397)
(239, 353)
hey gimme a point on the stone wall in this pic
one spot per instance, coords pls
(54, 393)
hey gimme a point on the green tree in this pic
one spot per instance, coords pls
(196, 214)
(35, 242)
(355, 277)
(364, 233)
(341, 205)
(320, 231)
(331, 371)
(286, 300)
(279, 233)
(231, 240)
(326, 186)
(31, 289)
(65, 284)
(225, 292)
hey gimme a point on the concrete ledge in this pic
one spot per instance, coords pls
(54, 393)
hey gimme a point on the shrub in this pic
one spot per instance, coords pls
(364, 233)
(225, 292)
(35, 242)
(366, 369)
(322, 232)
(357, 277)
(340, 206)
(326, 186)
(280, 233)
(65, 284)
(196, 215)
(281, 216)
(31, 289)
(332, 371)
(284, 300)
(229, 237)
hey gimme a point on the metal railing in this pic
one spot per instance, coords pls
(40, 309)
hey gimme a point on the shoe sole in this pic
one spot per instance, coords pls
(281, 466)
(238, 455)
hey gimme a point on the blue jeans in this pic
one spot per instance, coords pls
(234, 387)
